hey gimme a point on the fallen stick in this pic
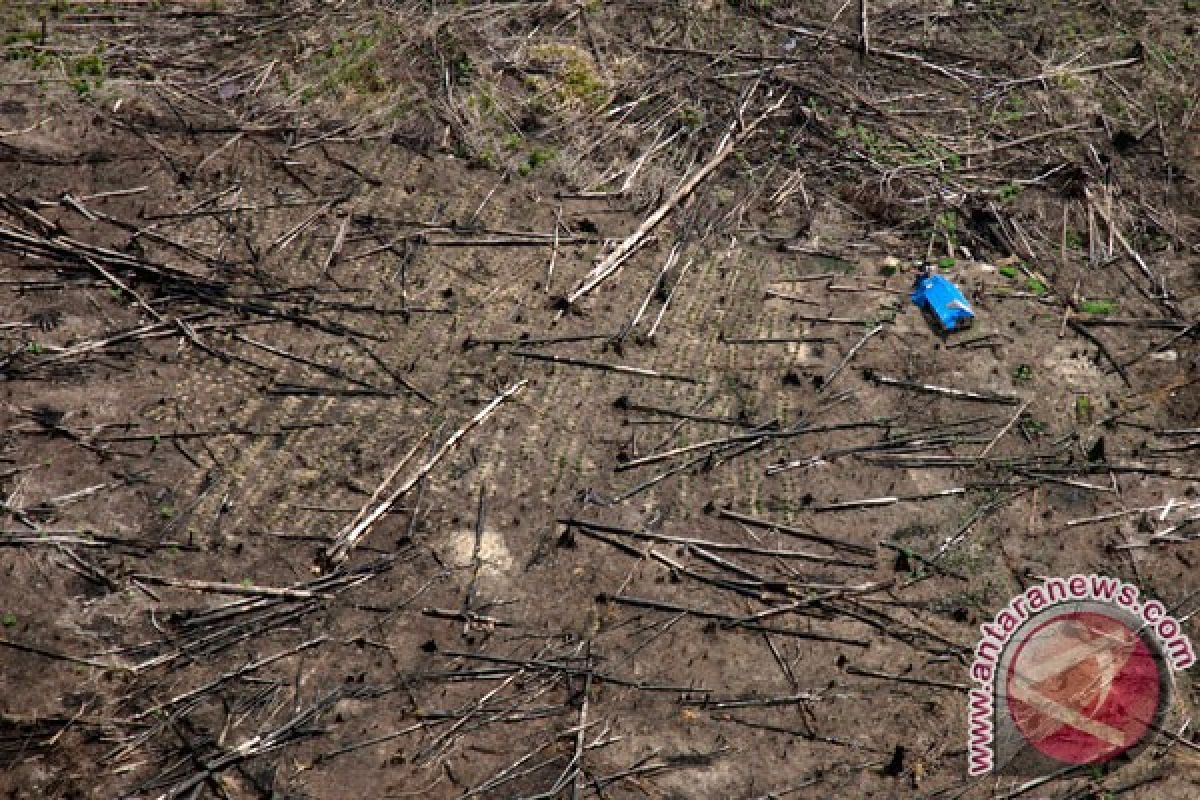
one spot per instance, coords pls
(795, 298)
(864, 34)
(1156, 282)
(554, 248)
(888, 501)
(228, 676)
(983, 453)
(1136, 322)
(752, 702)
(349, 538)
(623, 403)
(1033, 137)
(936, 684)
(391, 476)
(654, 458)
(727, 620)
(471, 342)
(688, 542)
(1091, 337)
(956, 74)
(52, 654)
(303, 724)
(581, 362)
(672, 257)
(617, 257)
(291, 235)
(910, 555)
(829, 378)
(469, 617)
(1189, 330)
(115, 281)
(339, 241)
(248, 590)
(962, 394)
(577, 759)
(1063, 72)
(800, 533)
(670, 295)
(778, 340)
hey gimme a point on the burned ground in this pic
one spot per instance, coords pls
(262, 262)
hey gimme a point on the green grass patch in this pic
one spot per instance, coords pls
(575, 80)
(1083, 409)
(1101, 307)
(538, 157)
(946, 223)
(350, 64)
(1010, 191)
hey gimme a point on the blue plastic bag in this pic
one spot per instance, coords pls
(944, 301)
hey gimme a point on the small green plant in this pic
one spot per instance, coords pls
(691, 118)
(1083, 409)
(1073, 239)
(1036, 286)
(946, 262)
(1102, 307)
(538, 157)
(166, 511)
(1023, 373)
(1010, 190)
(486, 158)
(8, 619)
(87, 74)
(816, 106)
(1009, 272)
(916, 567)
(1014, 109)
(352, 65)
(91, 65)
(34, 348)
(575, 82)
(1069, 82)
(946, 223)
(868, 137)
(464, 70)
(24, 46)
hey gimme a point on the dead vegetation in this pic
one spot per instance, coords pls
(523, 399)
